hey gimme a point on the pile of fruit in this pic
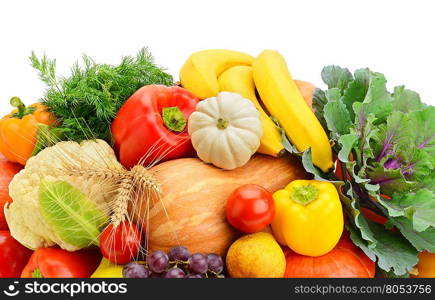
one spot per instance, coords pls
(237, 170)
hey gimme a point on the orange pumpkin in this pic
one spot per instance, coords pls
(19, 130)
(344, 261)
(426, 265)
(192, 210)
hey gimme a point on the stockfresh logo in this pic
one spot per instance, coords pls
(12, 289)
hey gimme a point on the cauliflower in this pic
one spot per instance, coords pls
(23, 215)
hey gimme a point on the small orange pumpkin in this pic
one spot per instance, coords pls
(344, 261)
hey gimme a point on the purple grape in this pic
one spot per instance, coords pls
(215, 263)
(194, 276)
(198, 263)
(158, 261)
(179, 253)
(175, 273)
(135, 270)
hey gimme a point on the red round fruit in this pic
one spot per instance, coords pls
(120, 244)
(250, 208)
(7, 172)
(13, 256)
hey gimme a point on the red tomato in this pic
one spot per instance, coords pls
(7, 172)
(13, 256)
(120, 244)
(250, 208)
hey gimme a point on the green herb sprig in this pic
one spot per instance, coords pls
(86, 102)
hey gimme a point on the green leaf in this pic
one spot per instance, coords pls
(384, 274)
(423, 131)
(366, 131)
(418, 206)
(70, 213)
(307, 162)
(336, 77)
(392, 252)
(352, 209)
(356, 90)
(377, 101)
(347, 143)
(406, 100)
(337, 118)
(390, 180)
(377, 242)
(422, 241)
(319, 101)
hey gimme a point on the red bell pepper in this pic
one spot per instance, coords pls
(13, 256)
(59, 263)
(152, 125)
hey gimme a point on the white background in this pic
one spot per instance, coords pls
(392, 37)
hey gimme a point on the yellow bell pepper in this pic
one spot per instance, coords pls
(308, 217)
(106, 269)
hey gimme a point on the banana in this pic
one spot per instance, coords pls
(284, 101)
(239, 80)
(200, 72)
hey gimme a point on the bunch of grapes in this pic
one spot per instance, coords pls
(178, 263)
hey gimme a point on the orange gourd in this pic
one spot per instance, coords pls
(344, 261)
(192, 209)
(426, 265)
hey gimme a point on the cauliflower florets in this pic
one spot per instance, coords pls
(23, 215)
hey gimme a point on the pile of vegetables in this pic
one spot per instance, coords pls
(238, 170)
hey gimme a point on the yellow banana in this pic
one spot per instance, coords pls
(200, 72)
(284, 101)
(239, 80)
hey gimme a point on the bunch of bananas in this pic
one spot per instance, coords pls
(208, 72)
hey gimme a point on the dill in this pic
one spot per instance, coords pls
(86, 102)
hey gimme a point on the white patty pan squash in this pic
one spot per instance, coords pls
(225, 130)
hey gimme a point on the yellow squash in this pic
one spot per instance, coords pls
(200, 72)
(239, 80)
(284, 101)
(308, 217)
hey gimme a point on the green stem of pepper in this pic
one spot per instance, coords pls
(22, 109)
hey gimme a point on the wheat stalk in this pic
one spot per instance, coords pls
(138, 181)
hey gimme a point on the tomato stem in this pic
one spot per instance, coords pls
(37, 273)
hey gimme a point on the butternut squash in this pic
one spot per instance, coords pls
(191, 211)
